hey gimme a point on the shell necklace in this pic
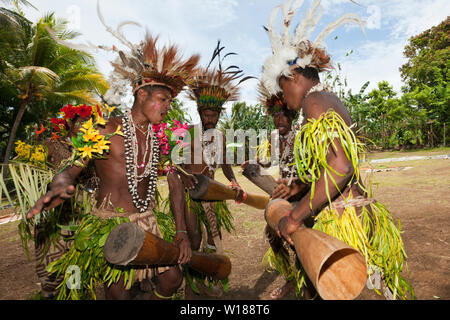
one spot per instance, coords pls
(131, 160)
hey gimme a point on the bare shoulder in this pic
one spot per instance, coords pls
(317, 103)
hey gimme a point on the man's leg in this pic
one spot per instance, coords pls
(168, 282)
(117, 291)
(194, 232)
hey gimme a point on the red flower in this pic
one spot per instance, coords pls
(69, 111)
(55, 136)
(156, 127)
(99, 112)
(84, 111)
(38, 132)
(57, 121)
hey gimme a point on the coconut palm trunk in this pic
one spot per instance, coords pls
(12, 135)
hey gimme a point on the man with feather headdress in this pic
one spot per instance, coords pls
(279, 257)
(128, 171)
(211, 89)
(337, 200)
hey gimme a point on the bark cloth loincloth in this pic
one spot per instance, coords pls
(146, 221)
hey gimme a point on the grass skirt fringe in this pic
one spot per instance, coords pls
(224, 216)
(86, 256)
(84, 266)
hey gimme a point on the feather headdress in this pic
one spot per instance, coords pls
(152, 66)
(144, 64)
(212, 88)
(292, 51)
(273, 103)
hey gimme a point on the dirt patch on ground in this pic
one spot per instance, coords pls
(419, 197)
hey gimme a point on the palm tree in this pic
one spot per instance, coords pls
(42, 72)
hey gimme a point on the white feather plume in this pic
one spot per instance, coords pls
(116, 33)
(345, 19)
(288, 14)
(275, 40)
(287, 48)
(308, 24)
(276, 66)
(87, 47)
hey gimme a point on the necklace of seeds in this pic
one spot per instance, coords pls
(208, 147)
(151, 168)
(135, 146)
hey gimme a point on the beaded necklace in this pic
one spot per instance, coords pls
(287, 170)
(209, 151)
(131, 160)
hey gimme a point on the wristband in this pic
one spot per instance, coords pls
(244, 197)
(184, 231)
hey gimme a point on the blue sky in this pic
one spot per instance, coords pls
(196, 25)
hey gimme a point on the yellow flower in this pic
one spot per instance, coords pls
(20, 144)
(100, 121)
(91, 135)
(37, 156)
(86, 152)
(109, 109)
(23, 149)
(102, 145)
(86, 125)
(120, 133)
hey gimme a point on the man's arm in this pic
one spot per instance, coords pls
(337, 159)
(226, 168)
(228, 172)
(177, 200)
(60, 189)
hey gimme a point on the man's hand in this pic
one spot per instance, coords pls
(183, 243)
(240, 192)
(286, 191)
(284, 229)
(283, 190)
(189, 180)
(52, 199)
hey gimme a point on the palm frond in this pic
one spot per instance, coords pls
(37, 75)
(75, 96)
(19, 2)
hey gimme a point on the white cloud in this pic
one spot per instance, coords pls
(195, 25)
(380, 55)
(375, 61)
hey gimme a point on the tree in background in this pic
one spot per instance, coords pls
(246, 117)
(384, 119)
(38, 75)
(426, 77)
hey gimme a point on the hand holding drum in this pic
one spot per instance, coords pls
(208, 189)
(337, 270)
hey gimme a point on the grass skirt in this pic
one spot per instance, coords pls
(84, 266)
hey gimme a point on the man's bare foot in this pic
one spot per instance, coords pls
(280, 292)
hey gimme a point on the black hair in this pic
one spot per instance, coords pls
(290, 113)
(308, 72)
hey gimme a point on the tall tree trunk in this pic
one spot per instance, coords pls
(12, 135)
